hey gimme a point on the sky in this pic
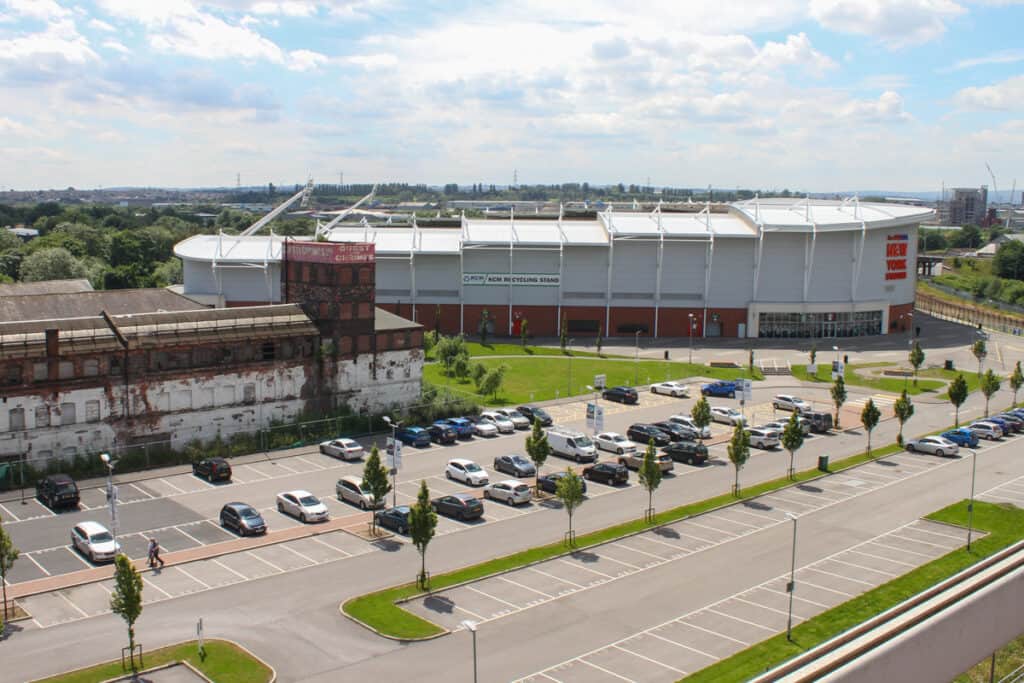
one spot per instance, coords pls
(812, 95)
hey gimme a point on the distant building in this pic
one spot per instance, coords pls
(965, 206)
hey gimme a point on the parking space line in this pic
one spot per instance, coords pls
(517, 608)
(626, 564)
(642, 552)
(902, 550)
(994, 496)
(601, 668)
(13, 516)
(691, 649)
(159, 589)
(472, 614)
(958, 539)
(733, 521)
(78, 556)
(552, 576)
(684, 550)
(826, 588)
(76, 607)
(311, 463)
(879, 557)
(789, 501)
(41, 568)
(814, 567)
(344, 553)
(534, 590)
(711, 528)
(737, 508)
(714, 633)
(188, 535)
(311, 561)
(220, 564)
(914, 540)
(652, 661)
(164, 480)
(580, 565)
(739, 619)
(791, 490)
(272, 566)
(189, 575)
(859, 566)
(765, 586)
(770, 609)
(148, 495)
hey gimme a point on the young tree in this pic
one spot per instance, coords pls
(491, 383)
(524, 332)
(563, 333)
(916, 359)
(813, 354)
(838, 396)
(989, 386)
(701, 414)
(739, 453)
(570, 492)
(422, 525)
(957, 395)
(460, 366)
(904, 410)
(980, 351)
(437, 321)
(538, 448)
(429, 342)
(599, 340)
(477, 374)
(650, 474)
(793, 439)
(485, 318)
(126, 598)
(1016, 381)
(869, 417)
(375, 477)
(8, 554)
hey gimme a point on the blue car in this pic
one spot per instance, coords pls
(962, 437)
(413, 436)
(727, 389)
(463, 427)
(1003, 424)
(1019, 412)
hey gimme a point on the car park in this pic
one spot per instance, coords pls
(635, 461)
(516, 465)
(243, 519)
(610, 473)
(620, 395)
(463, 427)
(549, 482)
(413, 436)
(729, 416)
(1019, 412)
(674, 389)
(614, 443)
(536, 413)
(821, 422)
(482, 427)
(961, 436)
(95, 541)
(987, 430)
(466, 471)
(760, 437)
(351, 489)
(396, 518)
(504, 424)
(719, 389)
(687, 421)
(1016, 423)
(1003, 424)
(442, 432)
(780, 425)
(509, 491)
(567, 443)
(518, 419)
(690, 452)
(462, 506)
(344, 449)
(642, 434)
(936, 445)
(791, 403)
(212, 469)
(302, 505)
(676, 431)
(57, 491)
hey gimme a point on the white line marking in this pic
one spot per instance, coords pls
(78, 556)
(68, 600)
(307, 558)
(711, 528)
(315, 465)
(795, 597)
(344, 553)
(770, 609)
(269, 564)
(149, 582)
(188, 535)
(959, 539)
(714, 633)
(241, 576)
(647, 537)
(149, 496)
(886, 559)
(200, 582)
(862, 567)
(516, 583)
(472, 614)
(11, 514)
(601, 668)
(280, 464)
(580, 565)
(723, 518)
(495, 598)
(556, 578)
(914, 540)
(179, 490)
(691, 649)
(824, 588)
(745, 621)
(904, 550)
(642, 552)
(627, 564)
(652, 661)
(815, 568)
(41, 568)
(753, 514)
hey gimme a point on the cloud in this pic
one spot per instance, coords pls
(894, 23)
(116, 46)
(45, 55)
(287, 8)
(305, 60)
(17, 129)
(43, 10)
(101, 25)
(1002, 57)
(1004, 96)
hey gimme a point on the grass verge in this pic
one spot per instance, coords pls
(225, 662)
(1009, 658)
(893, 385)
(1005, 526)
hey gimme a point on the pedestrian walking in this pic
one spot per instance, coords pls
(154, 554)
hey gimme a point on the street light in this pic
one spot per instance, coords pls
(636, 361)
(111, 494)
(394, 459)
(569, 393)
(470, 626)
(970, 505)
(693, 322)
(791, 588)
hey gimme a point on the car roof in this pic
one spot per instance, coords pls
(461, 461)
(90, 527)
(463, 495)
(352, 479)
(510, 482)
(298, 493)
(60, 478)
(414, 429)
(404, 509)
(237, 505)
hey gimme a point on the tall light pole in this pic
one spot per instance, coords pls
(394, 460)
(970, 504)
(569, 392)
(111, 494)
(791, 588)
(636, 360)
(470, 626)
(693, 321)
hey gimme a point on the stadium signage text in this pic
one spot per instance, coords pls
(896, 257)
(329, 252)
(506, 279)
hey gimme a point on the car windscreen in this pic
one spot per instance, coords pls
(308, 501)
(583, 441)
(65, 487)
(515, 413)
(249, 513)
(472, 467)
(101, 537)
(541, 413)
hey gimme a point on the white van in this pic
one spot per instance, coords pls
(569, 443)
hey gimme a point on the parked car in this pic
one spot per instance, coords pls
(57, 491)
(821, 422)
(302, 505)
(518, 419)
(642, 434)
(729, 416)
(442, 432)
(568, 443)
(466, 471)
(345, 449)
(720, 389)
(763, 438)
(396, 518)
(351, 489)
(676, 431)
(1003, 424)
(614, 442)
(635, 459)
(1019, 412)
(549, 482)
(987, 430)
(780, 425)
(212, 469)
(936, 445)
(620, 395)
(413, 436)
(504, 424)
(482, 427)
(610, 473)
(536, 413)
(687, 421)
(509, 491)
(674, 389)
(463, 427)
(463, 506)
(791, 403)
(243, 519)
(95, 541)
(690, 452)
(516, 465)
(961, 436)
(1016, 423)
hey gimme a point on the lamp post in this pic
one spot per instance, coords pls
(970, 504)
(693, 322)
(394, 459)
(636, 360)
(569, 392)
(111, 494)
(791, 588)
(470, 626)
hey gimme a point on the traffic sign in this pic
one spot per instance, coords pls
(394, 451)
(599, 381)
(595, 417)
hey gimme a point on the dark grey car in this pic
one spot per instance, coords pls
(516, 465)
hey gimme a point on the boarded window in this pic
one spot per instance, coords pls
(90, 367)
(115, 365)
(225, 395)
(365, 310)
(17, 419)
(66, 369)
(68, 453)
(345, 311)
(67, 414)
(42, 416)
(344, 276)
(364, 343)
(13, 374)
(346, 346)
(92, 411)
(39, 372)
(365, 276)
(203, 356)
(268, 350)
(249, 393)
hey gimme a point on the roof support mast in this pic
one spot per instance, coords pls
(326, 228)
(302, 194)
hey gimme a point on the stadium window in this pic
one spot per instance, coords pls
(65, 369)
(365, 276)
(39, 372)
(67, 414)
(115, 365)
(17, 419)
(42, 416)
(13, 374)
(248, 393)
(268, 350)
(92, 411)
(90, 367)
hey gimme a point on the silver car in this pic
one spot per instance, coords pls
(93, 540)
(936, 445)
(729, 416)
(763, 438)
(987, 430)
(346, 449)
(687, 421)
(518, 419)
(504, 424)
(352, 490)
(509, 491)
(780, 425)
(302, 505)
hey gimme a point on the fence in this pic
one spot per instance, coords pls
(972, 314)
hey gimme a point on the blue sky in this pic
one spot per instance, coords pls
(816, 95)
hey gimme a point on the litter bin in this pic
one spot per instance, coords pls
(666, 354)
(949, 365)
(823, 463)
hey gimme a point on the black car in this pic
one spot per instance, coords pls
(57, 490)
(516, 465)
(243, 519)
(690, 452)
(549, 482)
(212, 469)
(534, 413)
(676, 431)
(643, 433)
(620, 395)
(610, 473)
(462, 506)
(396, 518)
(442, 433)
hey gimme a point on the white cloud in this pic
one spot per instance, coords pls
(287, 8)
(44, 10)
(1001, 57)
(17, 129)
(895, 23)
(101, 25)
(116, 46)
(1004, 96)
(305, 60)
(59, 42)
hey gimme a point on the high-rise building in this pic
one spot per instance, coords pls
(965, 206)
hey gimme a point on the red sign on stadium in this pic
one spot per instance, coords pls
(329, 252)
(896, 251)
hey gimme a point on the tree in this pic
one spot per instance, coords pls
(52, 264)
(126, 598)
(793, 439)
(904, 410)
(838, 396)
(599, 339)
(978, 349)
(916, 359)
(491, 383)
(477, 373)
(437, 321)
(524, 331)
(701, 414)
(813, 354)
(569, 491)
(538, 448)
(1009, 260)
(957, 395)
(989, 386)
(563, 333)
(739, 453)
(1016, 381)
(869, 417)
(450, 348)
(485, 319)
(650, 474)
(461, 367)
(422, 525)
(430, 339)
(8, 554)
(375, 477)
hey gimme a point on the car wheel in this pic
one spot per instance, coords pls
(448, 474)
(939, 452)
(302, 517)
(619, 451)
(732, 394)
(487, 494)
(910, 448)
(362, 505)
(578, 458)
(209, 477)
(92, 557)
(402, 529)
(280, 507)
(690, 461)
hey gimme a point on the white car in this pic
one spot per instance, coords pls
(729, 416)
(614, 442)
(518, 419)
(351, 489)
(466, 471)
(987, 430)
(302, 505)
(687, 421)
(780, 425)
(93, 540)
(761, 437)
(676, 389)
(482, 427)
(936, 445)
(504, 424)
(346, 449)
(509, 491)
(789, 402)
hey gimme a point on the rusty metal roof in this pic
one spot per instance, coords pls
(55, 306)
(45, 287)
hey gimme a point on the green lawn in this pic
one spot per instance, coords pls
(1005, 526)
(970, 377)
(893, 385)
(225, 662)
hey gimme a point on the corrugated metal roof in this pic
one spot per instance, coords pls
(86, 303)
(45, 287)
(385, 321)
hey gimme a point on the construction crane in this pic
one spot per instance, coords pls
(995, 191)
(302, 194)
(325, 229)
